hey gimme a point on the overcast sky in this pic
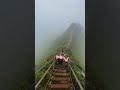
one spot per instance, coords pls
(53, 17)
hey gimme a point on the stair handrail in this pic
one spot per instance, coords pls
(36, 86)
(75, 77)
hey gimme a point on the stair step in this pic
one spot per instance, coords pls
(62, 68)
(61, 74)
(60, 78)
(59, 70)
(64, 82)
(59, 85)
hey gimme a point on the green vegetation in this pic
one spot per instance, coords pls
(77, 72)
(80, 77)
(39, 75)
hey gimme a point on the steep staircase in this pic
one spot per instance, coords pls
(61, 78)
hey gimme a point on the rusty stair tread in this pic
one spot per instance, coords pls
(59, 70)
(59, 85)
(61, 74)
(60, 78)
(64, 82)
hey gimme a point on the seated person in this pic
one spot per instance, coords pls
(60, 58)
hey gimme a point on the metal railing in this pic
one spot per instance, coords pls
(36, 86)
(52, 65)
(77, 80)
(82, 72)
(43, 66)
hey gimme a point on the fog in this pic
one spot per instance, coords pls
(52, 18)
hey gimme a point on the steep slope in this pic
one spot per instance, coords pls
(77, 45)
(74, 41)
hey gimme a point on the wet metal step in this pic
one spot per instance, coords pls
(59, 70)
(59, 85)
(61, 74)
(64, 82)
(60, 78)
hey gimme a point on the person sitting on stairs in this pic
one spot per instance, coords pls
(60, 58)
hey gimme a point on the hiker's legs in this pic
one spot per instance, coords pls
(62, 62)
(59, 61)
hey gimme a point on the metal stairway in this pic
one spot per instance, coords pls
(61, 78)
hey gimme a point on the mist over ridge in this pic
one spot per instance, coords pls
(78, 43)
(52, 19)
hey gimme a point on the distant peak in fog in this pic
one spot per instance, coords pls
(75, 27)
(75, 24)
